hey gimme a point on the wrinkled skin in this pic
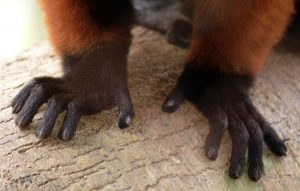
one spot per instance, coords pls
(224, 100)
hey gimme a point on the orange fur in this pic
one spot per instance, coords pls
(230, 35)
(72, 30)
(236, 36)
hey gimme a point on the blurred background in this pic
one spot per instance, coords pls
(21, 26)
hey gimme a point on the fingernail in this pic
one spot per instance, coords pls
(212, 153)
(170, 103)
(128, 120)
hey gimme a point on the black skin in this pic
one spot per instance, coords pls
(224, 99)
(95, 81)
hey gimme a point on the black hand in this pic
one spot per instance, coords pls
(93, 82)
(223, 99)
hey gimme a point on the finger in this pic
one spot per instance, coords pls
(125, 117)
(275, 144)
(174, 100)
(70, 122)
(39, 94)
(55, 105)
(20, 99)
(239, 137)
(255, 169)
(126, 112)
(218, 123)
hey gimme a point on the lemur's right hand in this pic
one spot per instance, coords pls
(95, 81)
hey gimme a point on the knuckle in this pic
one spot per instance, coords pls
(34, 81)
(218, 118)
(223, 121)
(251, 123)
(54, 100)
(74, 106)
(38, 88)
(258, 135)
(244, 137)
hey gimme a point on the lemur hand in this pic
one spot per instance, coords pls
(223, 99)
(94, 81)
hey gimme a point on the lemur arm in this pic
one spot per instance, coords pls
(92, 38)
(230, 43)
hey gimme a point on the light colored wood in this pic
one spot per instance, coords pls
(159, 151)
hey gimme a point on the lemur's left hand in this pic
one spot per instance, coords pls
(224, 100)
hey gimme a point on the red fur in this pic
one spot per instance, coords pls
(237, 35)
(72, 30)
(230, 35)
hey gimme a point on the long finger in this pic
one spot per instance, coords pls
(255, 143)
(240, 137)
(20, 99)
(70, 123)
(275, 144)
(39, 94)
(55, 105)
(218, 124)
